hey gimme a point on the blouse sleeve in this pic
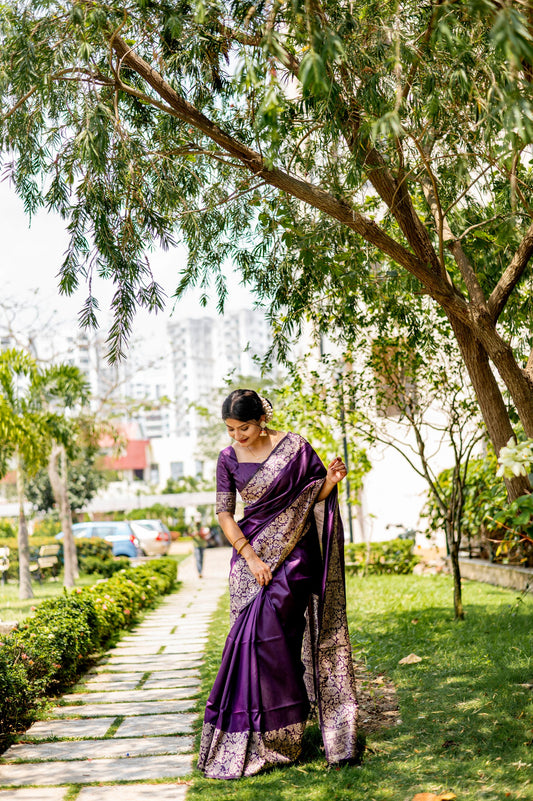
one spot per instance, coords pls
(226, 490)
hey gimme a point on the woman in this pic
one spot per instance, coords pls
(288, 649)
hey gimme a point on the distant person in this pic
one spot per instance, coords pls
(286, 578)
(200, 537)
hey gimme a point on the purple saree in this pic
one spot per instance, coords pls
(288, 648)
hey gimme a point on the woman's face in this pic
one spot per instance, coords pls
(244, 433)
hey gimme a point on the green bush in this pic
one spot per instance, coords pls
(49, 526)
(104, 567)
(96, 556)
(7, 530)
(392, 556)
(49, 650)
(94, 546)
(514, 529)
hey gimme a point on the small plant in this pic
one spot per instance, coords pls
(390, 557)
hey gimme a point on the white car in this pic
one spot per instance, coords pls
(153, 535)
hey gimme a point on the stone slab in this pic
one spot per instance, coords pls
(150, 725)
(122, 676)
(109, 686)
(184, 648)
(139, 708)
(142, 644)
(45, 729)
(168, 663)
(96, 770)
(134, 792)
(137, 650)
(98, 749)
(146, 661)
(162, 684)
(129, 696)
(34, 794)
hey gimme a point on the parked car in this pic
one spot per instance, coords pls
(120, 534)
(154, 536)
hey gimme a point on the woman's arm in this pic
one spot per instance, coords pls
(259, 569)
(336, 472)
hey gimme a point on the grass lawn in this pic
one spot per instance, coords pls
(13, 608)
(466, 709)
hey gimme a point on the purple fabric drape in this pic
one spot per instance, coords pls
(288, 646)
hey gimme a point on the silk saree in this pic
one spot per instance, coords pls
(288, 651)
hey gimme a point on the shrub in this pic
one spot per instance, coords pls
(392, 556)
(94, 546)
(7, 530)
(49, 526)
(104, 567)
(49, 650)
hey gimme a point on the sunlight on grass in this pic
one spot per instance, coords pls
(13, 608)
(466, 708)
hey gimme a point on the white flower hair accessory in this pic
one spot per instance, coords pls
(267, 408)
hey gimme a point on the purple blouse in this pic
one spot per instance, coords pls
(233, 475)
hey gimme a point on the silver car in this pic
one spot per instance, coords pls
(153, 535)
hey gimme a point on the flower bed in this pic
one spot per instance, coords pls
(48, 651)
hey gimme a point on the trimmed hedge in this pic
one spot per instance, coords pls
(95, 555)
(49, 650)
(392, 556)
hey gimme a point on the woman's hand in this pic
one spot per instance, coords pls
(260, 571)
(336, 471)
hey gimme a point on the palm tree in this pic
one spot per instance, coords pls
(24, 438)
(63, 388)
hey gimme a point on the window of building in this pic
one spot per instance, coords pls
(177, 470)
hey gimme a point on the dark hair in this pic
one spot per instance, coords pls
(242, 405)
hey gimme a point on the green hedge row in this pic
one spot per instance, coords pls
(49, 650)
(95, 555)
(392, 556)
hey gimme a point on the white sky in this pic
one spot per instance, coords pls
(30, 258)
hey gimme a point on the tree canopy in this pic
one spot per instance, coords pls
(320, 145)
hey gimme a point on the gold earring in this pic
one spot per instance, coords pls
(263, 432)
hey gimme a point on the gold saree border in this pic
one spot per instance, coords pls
(231, 755)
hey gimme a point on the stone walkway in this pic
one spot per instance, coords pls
(130, 719)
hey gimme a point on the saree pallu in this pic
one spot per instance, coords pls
(288, 649)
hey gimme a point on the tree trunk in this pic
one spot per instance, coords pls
(456, 571)
(57, 472)
(519, 385)
(25, 588)
(490, 400)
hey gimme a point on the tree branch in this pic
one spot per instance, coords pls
(503, 289)
(429, 187)
(337, 208)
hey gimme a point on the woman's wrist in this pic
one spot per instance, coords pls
(248, 552)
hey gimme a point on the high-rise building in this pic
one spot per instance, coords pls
(207, 350)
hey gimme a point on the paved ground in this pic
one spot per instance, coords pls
(131, 718)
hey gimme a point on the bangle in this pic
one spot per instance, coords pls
(245, 543)
(242, 537)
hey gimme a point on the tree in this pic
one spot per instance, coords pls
(24, 437)
(64, 386)
(85, 478)
(419, 403)
(316, 143)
